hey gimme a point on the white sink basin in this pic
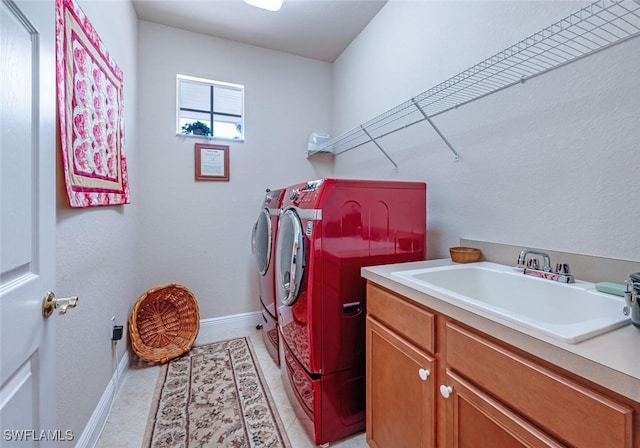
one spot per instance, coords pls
(567, 312)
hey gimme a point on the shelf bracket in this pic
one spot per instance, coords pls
(435, 128)
(379, 147)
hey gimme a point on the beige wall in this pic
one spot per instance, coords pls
(198, 233)
(176, 229)
(96, 249)
(551, 163)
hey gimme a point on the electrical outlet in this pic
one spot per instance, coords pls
(116, 330)
(116, 334)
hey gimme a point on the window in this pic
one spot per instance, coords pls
(212, 108)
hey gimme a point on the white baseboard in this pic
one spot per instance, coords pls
(92, 431)
(210, 329)
(219, 327)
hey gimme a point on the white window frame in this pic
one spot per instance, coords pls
(211, 112)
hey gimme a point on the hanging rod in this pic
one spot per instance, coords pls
(593, 28)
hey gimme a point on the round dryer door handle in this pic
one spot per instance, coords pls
(291, 283)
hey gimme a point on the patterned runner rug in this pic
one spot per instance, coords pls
(214, 396)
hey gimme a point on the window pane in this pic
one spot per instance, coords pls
(227, 127)
(194, 95)
(194, 116)
(226, 130)
(227, 100)
(218, 105)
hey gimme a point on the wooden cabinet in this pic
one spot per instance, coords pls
(400, 378)
(572, 412)
(475, 420)
(400, 392)
(480, 393)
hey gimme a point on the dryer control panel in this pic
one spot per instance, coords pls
(306, 193)
(313, 185)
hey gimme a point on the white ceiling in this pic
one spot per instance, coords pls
(318, 29)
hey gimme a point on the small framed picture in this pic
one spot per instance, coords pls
(212, 162)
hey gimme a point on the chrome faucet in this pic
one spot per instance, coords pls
(522, 258)
(560, 274)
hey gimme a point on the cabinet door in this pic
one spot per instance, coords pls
(475, 420)
(400, 391)
(575, 414)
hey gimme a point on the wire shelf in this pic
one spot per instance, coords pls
(589, 30)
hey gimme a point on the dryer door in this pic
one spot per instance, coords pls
(289, 257)
(261, 241)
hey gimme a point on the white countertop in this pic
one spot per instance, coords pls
(611, 360)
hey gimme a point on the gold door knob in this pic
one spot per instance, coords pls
(50, 302)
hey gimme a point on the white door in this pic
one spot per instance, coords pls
(27, 222)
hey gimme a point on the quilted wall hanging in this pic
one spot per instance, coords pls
(91, 112)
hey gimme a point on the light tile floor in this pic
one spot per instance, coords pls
(127, 420)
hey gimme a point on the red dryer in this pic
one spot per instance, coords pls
(328, 230)
(263, 241)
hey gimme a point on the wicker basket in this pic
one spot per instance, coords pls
(164, 323)
(464, 254)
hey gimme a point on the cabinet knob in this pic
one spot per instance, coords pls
(445, 391)
(424, 374)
